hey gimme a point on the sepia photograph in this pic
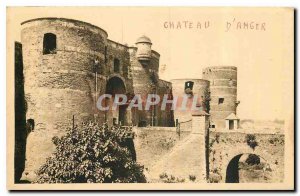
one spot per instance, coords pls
(150, 98)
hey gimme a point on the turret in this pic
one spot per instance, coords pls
(143, 49)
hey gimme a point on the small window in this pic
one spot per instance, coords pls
(105, 54)
(221, 101)
(189, 85)
(116, 65)
(96, 65)
(213, 126)
(49, 43)
(230, 83)
(30, 125)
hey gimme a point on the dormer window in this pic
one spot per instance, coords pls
(49, 43)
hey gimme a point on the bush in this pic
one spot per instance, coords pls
(253, 159)
(92, 154)
(251, 141)
(192, 178)
(170, 179)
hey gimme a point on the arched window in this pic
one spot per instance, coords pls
(49, 43)
(116, 65)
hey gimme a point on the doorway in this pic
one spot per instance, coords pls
(231, 124)
(115, 85)
(122, 115)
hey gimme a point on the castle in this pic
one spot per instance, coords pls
(68, 64)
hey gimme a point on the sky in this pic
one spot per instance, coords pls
(263, 54)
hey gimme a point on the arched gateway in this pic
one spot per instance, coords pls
(119, 115)
(246, 168)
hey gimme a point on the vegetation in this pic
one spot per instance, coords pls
(192, 178)
(92, 154)
(251, 141)
(253, 159)
(170, 179)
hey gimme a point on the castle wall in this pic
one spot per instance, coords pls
(200, 89)
(59, 85)
(223, 84)
(145, 81)
(164, 117)
(63, 83)
(224, 146)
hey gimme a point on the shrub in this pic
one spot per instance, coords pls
(192, 178)
(253, 159)
(170, 179)
(93, 154)
(251, 141)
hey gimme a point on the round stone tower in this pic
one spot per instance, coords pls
(61, 57)
(144, 66)
(143, 45)
(223, 93)
(189, 89)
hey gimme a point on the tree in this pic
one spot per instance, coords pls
(92, 154)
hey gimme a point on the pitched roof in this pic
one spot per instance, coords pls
(232, 116)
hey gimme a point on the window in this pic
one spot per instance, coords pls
(189, 85)
(221, 100)
(230, 83)
(105, 54)
(30, 125)
(116, 65)
(49, 43)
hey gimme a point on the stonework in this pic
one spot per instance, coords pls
(63, 66)
(62, 84)
(199, 88)
(223, 93)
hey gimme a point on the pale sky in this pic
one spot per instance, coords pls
(264, 58)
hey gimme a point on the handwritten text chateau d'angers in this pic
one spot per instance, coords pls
(228, 25)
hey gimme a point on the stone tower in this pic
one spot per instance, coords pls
(59, 70)
(223, 94)
(143, 45)
(189, 88)
(68, 65)
(145, 66)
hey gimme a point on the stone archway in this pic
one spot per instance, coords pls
(115, 85)
(236, 165)
(232, 170)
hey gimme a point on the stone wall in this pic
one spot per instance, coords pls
(223, 84)
(223, 147)
(200, 89)
(153, 143)
(62, 86)
(146, 81)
